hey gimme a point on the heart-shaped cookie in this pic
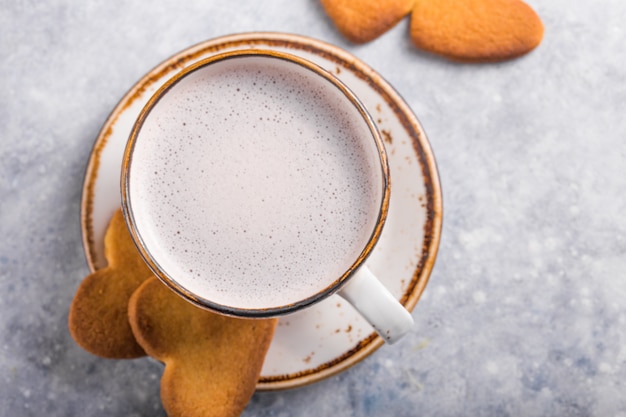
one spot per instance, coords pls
(475, 30)
(364, 20)
(212, 362)
(98, 317)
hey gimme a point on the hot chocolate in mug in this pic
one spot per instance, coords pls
(254, 184)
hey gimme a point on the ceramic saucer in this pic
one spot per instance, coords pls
(329, 337)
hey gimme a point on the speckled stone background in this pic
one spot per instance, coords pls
(525, 312)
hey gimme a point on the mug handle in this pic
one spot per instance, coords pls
(377, 305)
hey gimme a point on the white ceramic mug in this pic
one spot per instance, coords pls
(255, 184)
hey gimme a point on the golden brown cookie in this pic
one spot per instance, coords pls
(475, 30)
(98, 317)
(212, 362)
(364, 20)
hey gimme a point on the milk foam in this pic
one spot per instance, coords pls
(254, 183)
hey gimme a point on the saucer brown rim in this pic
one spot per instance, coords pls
(343, 60)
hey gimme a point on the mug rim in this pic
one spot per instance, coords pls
(206, 303)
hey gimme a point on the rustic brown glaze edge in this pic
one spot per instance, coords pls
(434, 208)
